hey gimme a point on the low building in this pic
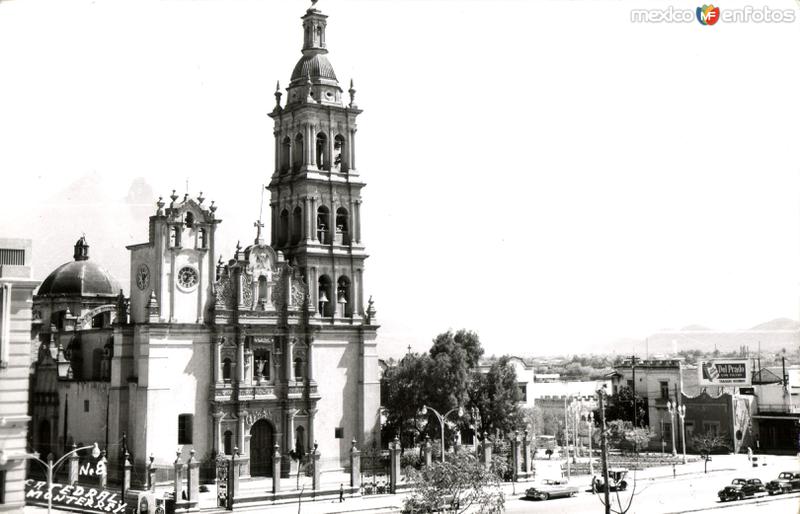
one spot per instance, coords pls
(726, 415)
(16, 291)
(777, 420)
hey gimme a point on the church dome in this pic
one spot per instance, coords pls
(315, 66)
(80, 277)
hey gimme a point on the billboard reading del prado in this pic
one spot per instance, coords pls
(725, 372)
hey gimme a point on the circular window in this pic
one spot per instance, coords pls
(187, 277)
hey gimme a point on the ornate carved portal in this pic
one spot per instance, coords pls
(262, 440)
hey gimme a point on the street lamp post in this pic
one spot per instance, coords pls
(682, 414)
(671, 407)
(51, 466)
(441, 419)
(590, 422)
(476, 419)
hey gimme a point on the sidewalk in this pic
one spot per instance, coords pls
(327, 502)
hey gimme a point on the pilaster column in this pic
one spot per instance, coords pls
(290, 428)
(309, 225)
(312, 413)
(311, 147)
(357, 217)
(352, 149)
(172, 282)
(288, 357)
(358, 293)
(278, 151)
(217, 426)
(240, 360)
(310, 359)
(242, 415)
(314, 220)
(217, 359)
(313, 286)
(274, 223)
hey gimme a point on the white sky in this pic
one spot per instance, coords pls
(545, 173)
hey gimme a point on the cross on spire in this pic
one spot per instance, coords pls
(258, 226)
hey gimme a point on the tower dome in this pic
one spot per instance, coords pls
(80, 277)
(313, 79)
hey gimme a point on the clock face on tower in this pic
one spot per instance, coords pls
(142, 277)
(187, 277)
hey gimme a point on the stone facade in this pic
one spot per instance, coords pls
(273, 346)
(16, 291)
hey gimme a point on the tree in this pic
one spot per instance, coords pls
(404, 388)
(496, 394)
(459, 484)
(440, 379)
(622, 434)
(639, 437)
(706, 443)
(453, 357)
(621, 404)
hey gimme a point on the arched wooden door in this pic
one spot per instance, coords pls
(262, 440)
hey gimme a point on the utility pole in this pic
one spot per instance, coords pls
(604, 450)
(566, 436)
(633, 370)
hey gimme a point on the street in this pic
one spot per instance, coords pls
(689, 493)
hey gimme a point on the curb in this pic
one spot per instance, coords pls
(727, 505)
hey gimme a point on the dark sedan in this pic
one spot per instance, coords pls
(741, 488)
(786, 482)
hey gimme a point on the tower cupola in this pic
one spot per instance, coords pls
(313, 78)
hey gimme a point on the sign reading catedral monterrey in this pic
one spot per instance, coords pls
(88, 499)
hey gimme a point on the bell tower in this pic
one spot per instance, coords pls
(315, 190)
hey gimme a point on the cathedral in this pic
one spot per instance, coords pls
(274, 346)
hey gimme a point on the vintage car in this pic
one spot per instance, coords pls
(786, 482)
(550, 488)
(741, 488)
(616, 480)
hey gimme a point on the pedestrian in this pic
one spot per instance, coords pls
(341, 493)
(674, 475)
(749, 454)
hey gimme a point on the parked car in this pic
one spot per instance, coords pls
(786, 482)
(616, 480)
(550, 488)
(741, 488)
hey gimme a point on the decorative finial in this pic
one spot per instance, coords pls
(238, 246)
(160, 205)
(200, 198)
(278, 95)
(370, 310)
(185, 197)
(212, 207)
(173, 196)
(352, 92)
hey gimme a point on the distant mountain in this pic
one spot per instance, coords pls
(778, 324)
(772, 336)
(694, 328)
